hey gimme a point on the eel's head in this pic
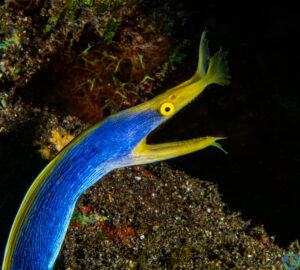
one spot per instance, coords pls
(164, 106)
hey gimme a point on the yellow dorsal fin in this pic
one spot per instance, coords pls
(204, 57)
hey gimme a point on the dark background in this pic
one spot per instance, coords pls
(258, 112)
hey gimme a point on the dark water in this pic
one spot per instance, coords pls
(20, 163)
(259, 113)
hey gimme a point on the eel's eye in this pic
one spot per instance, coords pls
(166, 108)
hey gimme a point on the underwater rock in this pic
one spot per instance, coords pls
(153, 217)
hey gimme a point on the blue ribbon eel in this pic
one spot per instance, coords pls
(41, 223)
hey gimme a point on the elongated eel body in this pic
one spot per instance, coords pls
(42, 220)
(50, 201)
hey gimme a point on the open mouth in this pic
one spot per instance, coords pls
(146, 153)
(210, 70)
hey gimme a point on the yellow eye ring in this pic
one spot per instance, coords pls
(166, 108)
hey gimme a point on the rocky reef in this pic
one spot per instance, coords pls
(66, 64)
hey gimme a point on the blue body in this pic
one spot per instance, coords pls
(101, 149)
(42, 220)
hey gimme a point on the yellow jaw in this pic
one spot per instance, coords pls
(210, 70)
(146, 153)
